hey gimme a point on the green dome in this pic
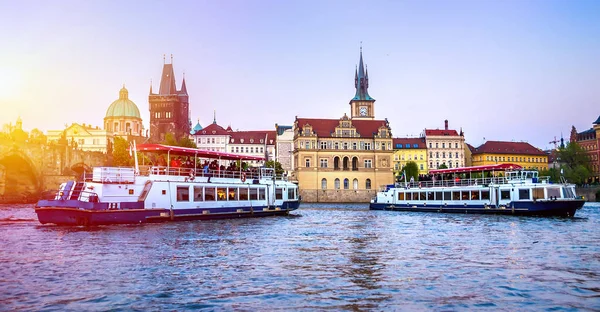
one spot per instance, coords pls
(123, 107)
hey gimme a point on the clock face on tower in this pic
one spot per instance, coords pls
(363, 111)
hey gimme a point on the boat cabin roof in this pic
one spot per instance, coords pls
(187, 151)
(498, 167)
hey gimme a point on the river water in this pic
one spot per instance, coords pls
(323, 257)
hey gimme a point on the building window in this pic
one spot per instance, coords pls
(323, 163)
(354, 146)
(337, 184)
(421, 166)
(367, 146)
(355, 184)
(436, 145)
(307, 162)
(324, 184)
(443, 145)
(336, 145)
(323, 145)
(368, 163)
(346, 183)
(368, 184)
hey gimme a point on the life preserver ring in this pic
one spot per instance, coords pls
(243, 178)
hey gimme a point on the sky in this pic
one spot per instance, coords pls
(500, 70)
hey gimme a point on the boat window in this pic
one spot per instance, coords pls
(261, 193)
(209, 194)
(244, 193)
(221, 193)
(400, 195)
(523, 193)
(485, 194)
(253, 194)
(278, 193)
(553, 192)
(198, 193)
(569, 192)
(183, 193)
(538, 193)
(409, 196)
(291, 192)
(474, 195)
(447, 195)
(456, 195)
(422, 196)
(505, 194)
(465, 195)
(233, 191)
(438, 195)
(430, 196)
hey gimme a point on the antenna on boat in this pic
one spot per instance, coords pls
(135, 157)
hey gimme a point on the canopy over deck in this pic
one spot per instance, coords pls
(194, 152)
(498, 167)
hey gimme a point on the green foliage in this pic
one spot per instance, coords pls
(120, 153)
(37, 137)
(273, 164)
(183, 142)
(443, 166)
(412, 170)
(553, 173)
(575, 163)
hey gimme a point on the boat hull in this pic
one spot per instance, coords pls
(551, 208)
(89, 217)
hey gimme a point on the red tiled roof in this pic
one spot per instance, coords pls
(253, 137)
(441, 132)
(471, 147)
(326, 127)
(210, 128)
(500, 147)
(410, 141)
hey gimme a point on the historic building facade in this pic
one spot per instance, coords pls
(589, 140)
(123, 118)
(520, 153)
(445, 147)
(169, 108)
(82, 136)
(284, 148)
(345, 159)
(410, 149)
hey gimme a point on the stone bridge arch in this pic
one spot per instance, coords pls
(20, 178)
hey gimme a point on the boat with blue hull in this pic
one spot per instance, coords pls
(513, 192)
(149, 194)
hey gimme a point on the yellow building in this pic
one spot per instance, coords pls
(520, 153)
(84, 137)
(346, 159)
(410, 149)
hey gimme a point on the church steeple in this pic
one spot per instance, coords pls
(183, 87)
(361, 82)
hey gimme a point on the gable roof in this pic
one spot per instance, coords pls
(501, 147)
(440, 132)
(325, 128)
(253, 137)
(212, 129)
(410, 141)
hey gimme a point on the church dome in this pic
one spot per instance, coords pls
(123, 107)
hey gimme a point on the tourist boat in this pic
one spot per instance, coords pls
(146, 194)
(508, 190)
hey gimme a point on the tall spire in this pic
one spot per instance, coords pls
(150, 86)
(361, 81)
(215, 117)
(183, 87)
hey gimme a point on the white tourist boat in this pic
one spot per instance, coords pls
(164, 193)
(510, 190)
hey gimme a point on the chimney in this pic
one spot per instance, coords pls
(446, 124)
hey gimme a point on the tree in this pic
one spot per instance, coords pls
(443, 166)
(552, 173)
(273, 164)
(412, 170)
(575, 163)
(37, 137)
(121, 155)
(183, 142)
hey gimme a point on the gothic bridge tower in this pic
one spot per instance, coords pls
(362, 106)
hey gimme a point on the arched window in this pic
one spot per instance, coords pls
(337, 184)
(368, 184)
(324, 184)
(345, 163)
(354, 163)
(336, 163)
(346, 183)
(355, 184)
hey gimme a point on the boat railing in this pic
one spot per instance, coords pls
(254, 173)
(73, 194)
(468, 182)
